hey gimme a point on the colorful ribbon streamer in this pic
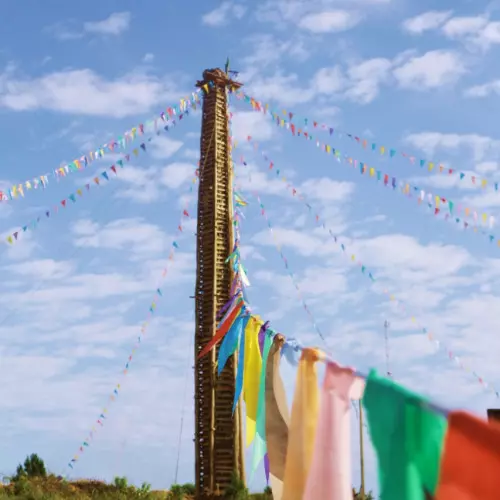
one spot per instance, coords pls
(407, 189)
(121, 142)
(158, 294)
(432, 166)
(295, 194)
(105, 175)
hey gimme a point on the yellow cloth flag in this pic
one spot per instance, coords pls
(252, 366)
(301, 437)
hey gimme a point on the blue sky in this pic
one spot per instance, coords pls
(75, 290)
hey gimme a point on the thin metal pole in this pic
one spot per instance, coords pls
(361, 452)
(386, 328)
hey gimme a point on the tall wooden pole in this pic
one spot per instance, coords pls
(218, 436)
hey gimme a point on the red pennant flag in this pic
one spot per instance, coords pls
(185, 213)
(179, 228)
(271, 166)
(436, 211)
(113, 168)
(63, 203)
(222, 330)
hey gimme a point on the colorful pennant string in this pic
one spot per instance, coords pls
(437, 203)
(432, 166)
(99, 180)
(366, 272)
(42, 181)
(429, 202)
(240, 202)
(158, 294)
(287, 267)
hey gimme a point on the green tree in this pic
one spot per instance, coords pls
(33, 466)
(356, 495)
(236, 489)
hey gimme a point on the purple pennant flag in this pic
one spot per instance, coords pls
(266, 467)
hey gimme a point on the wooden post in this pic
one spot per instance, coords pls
(218, 436)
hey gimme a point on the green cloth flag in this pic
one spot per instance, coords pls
(408, 439)
(260, 446)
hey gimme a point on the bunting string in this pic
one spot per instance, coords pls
(240, 202)
(399, 304)
(432, 201)
(392, 153)
(81, 163)
(287, 267)
(429, 203)
(98, 181)
(158, 294)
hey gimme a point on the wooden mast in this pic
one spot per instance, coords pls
(218, 436)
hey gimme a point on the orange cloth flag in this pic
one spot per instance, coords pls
(305, 409)
(470, 467)
(222, 331)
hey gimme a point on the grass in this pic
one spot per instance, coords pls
(53, 488)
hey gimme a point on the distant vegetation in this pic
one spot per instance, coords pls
(31, 481)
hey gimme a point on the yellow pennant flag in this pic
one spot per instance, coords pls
(252, 366)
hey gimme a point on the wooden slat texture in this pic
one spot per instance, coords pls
(217, 431)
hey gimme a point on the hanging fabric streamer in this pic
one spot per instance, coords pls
(471, 459)
(303, 421)
(251, 376)
(260, 448)
(277, 419)
(330, 474)
(408, 462)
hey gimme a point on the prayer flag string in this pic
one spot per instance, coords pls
(158, 294)
(81, 163)
(366, 272)
(303, 125)
(437, 203)
(98, 181)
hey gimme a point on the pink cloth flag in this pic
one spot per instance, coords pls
(330, 472)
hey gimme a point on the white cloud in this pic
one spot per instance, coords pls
(473, 31)
(115, 24)
(366, 79)
(330, 21)
(284, 89)
(430, 20)
(223, 14)
(430, 142)
(85, 92)
(484, 90)
(460, 27)
(149, 57)
(267, 49)
(164, 147)
(136, 236)
(434, 69)
(249, 123)
(43, 269)
(329, 80)
(146, 185)
(177, 174)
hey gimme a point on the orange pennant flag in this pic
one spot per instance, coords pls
(222, 330)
